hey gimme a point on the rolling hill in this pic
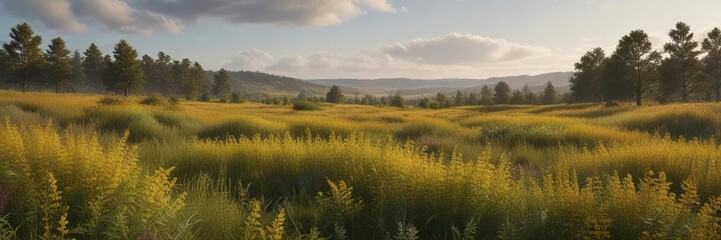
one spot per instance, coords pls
(258, 83)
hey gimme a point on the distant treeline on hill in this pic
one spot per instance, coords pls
(25, 66)
(684, 71)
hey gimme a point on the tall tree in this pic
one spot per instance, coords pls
(503, 93)
(460, 98)
(712, 62)
(5, 67)
(529, 97)
(181, 75)
(126, 75)
(634, 68)
(78, 73)
(147, 63)
(59, 67)
(397, 100)
(679, 71)
(93, 66)
(517, 97)
(549, 94)
(334, 95)
(164, 74)
(199, 84)
(25, 55)
(486, 96)
(221, 85)
(585, 82)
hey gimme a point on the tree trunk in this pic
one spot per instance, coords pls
(126, 92)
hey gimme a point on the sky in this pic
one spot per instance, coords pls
(317, 39)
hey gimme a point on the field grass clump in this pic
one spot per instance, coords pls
(257, 171)
(247, 126)
(113, 100)
(154, 100)
(66, 186)
(305, 106)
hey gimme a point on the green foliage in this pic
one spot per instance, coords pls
(59, 66)
(25, 56)
(334, 95)
(586, 81)
(125, 74)
(154, 100)
(502, 93)
(93, 67)
(221, 86)
(305, 106)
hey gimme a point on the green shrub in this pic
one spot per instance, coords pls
(245, 126)
(113, 100)
(305, 106)
(236, 98)
(154, 100)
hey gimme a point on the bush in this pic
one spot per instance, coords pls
(246, 126)
(305, 106)
(236, 98)
(113, 100)
(154, 100)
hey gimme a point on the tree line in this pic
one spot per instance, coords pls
(685, 70)
(501, 94)
(24, 65)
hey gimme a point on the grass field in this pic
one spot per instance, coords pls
(73, 168)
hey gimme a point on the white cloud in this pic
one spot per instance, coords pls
(54, 14)
(250, 60)
(454, 55)
(148, 16)
(462, 48)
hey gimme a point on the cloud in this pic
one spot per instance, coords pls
(279, 12)
(251, 59)
(457, 48)
(148, 16)
(54, 14)
(453, 55)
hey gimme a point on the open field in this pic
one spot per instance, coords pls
(73, 168)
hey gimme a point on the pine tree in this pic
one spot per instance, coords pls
(181, 76)
(78, 74)
(517, 97)
(397, 100)
(460, 99)
(26, 58)
(632, 70)
(549, 94)
(712, 62)
(126, 75)
(503, 93)
(586, 81)
(147, 63)
(221, 85)
(5, 67)
(93, 67)
(59, 66)
(201, 86)
(486, 96)
(679, 71)
(164, 74)
(334, 95)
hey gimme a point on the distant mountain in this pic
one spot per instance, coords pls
(416, 86)
(258, 83)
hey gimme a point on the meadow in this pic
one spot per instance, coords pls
(81, 166)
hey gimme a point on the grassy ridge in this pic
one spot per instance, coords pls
(264, 172)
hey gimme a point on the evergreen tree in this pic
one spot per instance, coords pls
(198, 84)
(93, 66)
(679, 71)
(126, 75)
(460, 99)
(221, 85)
(585, 83)
(517, 97)
(503, 93)
(59, 67)
(334, 95)
(181, 76)
(26, 58)
(5, 67)
(424, 103)
(633, 68)
(78, 74)
(147, 63)
(486, 96)
(397, 100)
(549, 94)
(164, 74)
(528, 96)
(712, 62)
(472, 99)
